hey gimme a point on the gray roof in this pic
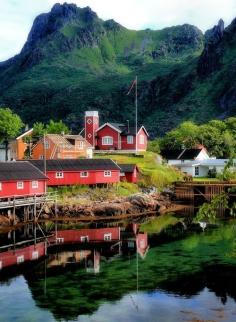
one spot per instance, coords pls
(20, 170)
(127, 167)
(76, 164)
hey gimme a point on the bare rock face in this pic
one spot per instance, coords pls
(210, 59)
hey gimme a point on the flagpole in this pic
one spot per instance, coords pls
(136, 113)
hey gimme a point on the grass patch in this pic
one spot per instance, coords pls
(151, 172)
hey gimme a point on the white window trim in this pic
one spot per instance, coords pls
(130, 139)
(84, 174)
(196, 171)
(107, 140)
(107, 237)
(84, 239)
(59, 175)
(141, 139)
(107, 173)
(0, 186)
(20, 259)
(35, 255)
(35, 184)
(20, 185)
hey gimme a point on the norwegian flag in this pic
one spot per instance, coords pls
(134, 82)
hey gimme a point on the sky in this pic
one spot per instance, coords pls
(17, 16)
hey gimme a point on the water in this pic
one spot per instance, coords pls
(179, 275)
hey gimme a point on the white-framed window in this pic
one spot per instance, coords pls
(81, 145)
(84, 239)
(47, 145)
(141, 139)
(130, 139)
(35, 184)
(107, 237)
(107, 173)
(0, 186)
(0, 265)
(20, 259)
(35, 254)
(41, 157)
(20, 185)
(84, 174)
(107, 140)
(59, 175)
(60, 240)
(196, 171)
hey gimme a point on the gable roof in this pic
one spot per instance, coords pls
(171, 154)
(190, 154)
(20, 170)
(129, 168)
(122, 128)
(180, 154)
(76, 164)
(24, 134)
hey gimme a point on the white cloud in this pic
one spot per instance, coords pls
(16, 16)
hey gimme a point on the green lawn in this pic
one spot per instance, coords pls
(152, 173)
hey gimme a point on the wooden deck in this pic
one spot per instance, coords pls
(190, 190)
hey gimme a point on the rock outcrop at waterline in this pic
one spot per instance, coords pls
(134, 204)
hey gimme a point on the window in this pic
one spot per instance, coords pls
(59, 175)
(20, 185)
(107, 140)
(141, 139)
(84, 174)
(41, 157)
(0, 265)
(196, 171)
(107, 237)
(0, 186)
(60, 240)
(47, 145)
(20, 259)
(107, 173)
(81, 145)
(84, 239)
(130, 139)
(35, 254)
(35, 184)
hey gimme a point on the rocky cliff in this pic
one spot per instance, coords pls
(74, 61)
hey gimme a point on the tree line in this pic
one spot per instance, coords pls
(11, 126)
(219, 137)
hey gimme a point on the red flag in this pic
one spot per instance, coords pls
(131, 87)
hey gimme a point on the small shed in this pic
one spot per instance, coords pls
(129, 172)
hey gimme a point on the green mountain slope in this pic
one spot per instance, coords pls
(74, 61)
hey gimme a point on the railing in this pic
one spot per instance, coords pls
(20, 201)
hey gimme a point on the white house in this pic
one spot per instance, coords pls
(201, 168)
(176, 156)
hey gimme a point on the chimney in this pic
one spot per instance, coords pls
(91, 125)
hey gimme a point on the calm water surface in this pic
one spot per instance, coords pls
(181, 275)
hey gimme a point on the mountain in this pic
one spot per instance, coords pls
(74, 61)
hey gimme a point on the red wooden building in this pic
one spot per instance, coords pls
(80, 171)
(21, 178)
(89, 235)
(19, 256)
(114, 136)
(129, 172)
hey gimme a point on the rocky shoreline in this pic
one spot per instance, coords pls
(134, 204)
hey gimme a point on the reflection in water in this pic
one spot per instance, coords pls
(113, 275)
